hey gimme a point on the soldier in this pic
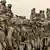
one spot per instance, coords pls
(3, 6)
(48, 14)
(9, 12)
(42, 15)
(32, 16)
(2, 33)
(8, 15)
(13, 35)
(47, 11)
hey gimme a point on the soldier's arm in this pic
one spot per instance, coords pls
(10, 36)
(10, 31)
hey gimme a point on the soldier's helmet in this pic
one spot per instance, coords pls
(3, 2)
(9, 6)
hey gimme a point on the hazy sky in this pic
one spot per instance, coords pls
(23, 7)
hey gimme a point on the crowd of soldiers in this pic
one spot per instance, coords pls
(19, 33)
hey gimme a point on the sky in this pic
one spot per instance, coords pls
(23, 7)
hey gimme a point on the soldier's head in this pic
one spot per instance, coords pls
(33, 10)
(3, 2)
(17, 16)
(41, 11)
(9, 6)
(48, 9)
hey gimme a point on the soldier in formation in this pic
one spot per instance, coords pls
(18, 33)
(3, 6)
(42, 15)
(32, 16)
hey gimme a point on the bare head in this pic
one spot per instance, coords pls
(3, 2)
(33, 9)
(9, 6)
(41, 11)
